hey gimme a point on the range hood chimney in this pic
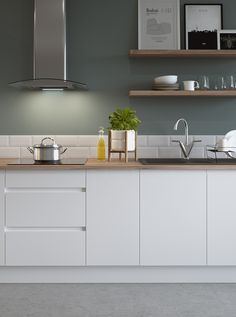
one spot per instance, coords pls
(49, 49)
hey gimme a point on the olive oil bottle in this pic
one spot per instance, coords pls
(101, 154)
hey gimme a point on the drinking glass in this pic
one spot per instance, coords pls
(204, 82)
(220, 83)
(230, 82)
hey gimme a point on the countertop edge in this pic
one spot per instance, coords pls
(93, 164)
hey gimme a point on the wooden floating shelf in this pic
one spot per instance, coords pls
(183, 53)
(182, 93)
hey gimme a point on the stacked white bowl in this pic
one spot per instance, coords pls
(168, 82)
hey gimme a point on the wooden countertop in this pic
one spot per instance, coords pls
(114, 164)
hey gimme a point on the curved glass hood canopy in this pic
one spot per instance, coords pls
(49, 60)
(48, 84)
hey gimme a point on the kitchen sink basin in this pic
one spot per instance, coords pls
(192, 161)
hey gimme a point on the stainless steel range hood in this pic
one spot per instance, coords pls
(49, 49)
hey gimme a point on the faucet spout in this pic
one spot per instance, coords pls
(186, 147)
(185, 127)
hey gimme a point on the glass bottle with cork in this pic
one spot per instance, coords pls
(101, 147)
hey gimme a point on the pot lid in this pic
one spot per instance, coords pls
(46, 145)
(55, 146)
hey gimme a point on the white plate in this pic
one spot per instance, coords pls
(228, 143)
(230, 134)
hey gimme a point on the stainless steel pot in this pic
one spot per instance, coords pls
(47, 152)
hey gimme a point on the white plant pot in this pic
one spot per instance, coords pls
(118, 140)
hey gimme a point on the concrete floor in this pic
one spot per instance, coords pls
(117, 300)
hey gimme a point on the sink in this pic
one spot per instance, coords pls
(192, 161)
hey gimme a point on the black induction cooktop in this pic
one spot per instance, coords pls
(74, 161)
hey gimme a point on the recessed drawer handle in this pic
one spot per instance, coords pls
(54, 229)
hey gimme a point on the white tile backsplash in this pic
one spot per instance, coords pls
(66, 140)
(169, 152)
(205, 140)
(86, 145)
(10, 152)
(93, 152)
(4, 140)
(142, 140)
(158, 140)
(197, 152)
(76, 152)
(147, 152)
(88, 140)
(20, 140)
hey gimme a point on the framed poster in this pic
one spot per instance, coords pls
(159, 24)
(202, 22)
(227, 40)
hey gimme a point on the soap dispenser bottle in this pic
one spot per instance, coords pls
(101, 155)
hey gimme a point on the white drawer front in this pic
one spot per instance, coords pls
(45, 209)
(45, 179)
(45, 248)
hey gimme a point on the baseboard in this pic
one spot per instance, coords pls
(118, 275)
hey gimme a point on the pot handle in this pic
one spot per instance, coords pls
(48, 138)
(30, 149)
(63, 151)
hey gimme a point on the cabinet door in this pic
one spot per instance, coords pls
(113, 217)
(221, 218)
(173, 217)
(2, 173)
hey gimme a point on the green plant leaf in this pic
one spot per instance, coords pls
(124, 119)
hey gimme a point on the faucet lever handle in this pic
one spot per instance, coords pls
(175, 141)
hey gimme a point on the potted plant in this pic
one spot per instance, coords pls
(123, 128)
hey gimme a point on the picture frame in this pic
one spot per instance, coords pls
(202, 23)
(159, 24)
(226, 39)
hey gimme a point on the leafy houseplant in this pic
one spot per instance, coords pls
(124, 124)
(124, 119)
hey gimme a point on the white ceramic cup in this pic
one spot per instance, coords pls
(190, 85)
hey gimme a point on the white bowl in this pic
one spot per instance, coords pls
(166, 80)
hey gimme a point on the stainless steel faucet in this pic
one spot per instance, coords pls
(186, 147)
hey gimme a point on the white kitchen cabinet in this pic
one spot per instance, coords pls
(113, 217)
(172, 218)
(221, 217)
(2, 250)
(45, 248)
(45, 218)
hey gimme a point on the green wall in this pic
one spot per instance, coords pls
(100, 33)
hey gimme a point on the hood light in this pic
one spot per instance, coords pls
(52, 89)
